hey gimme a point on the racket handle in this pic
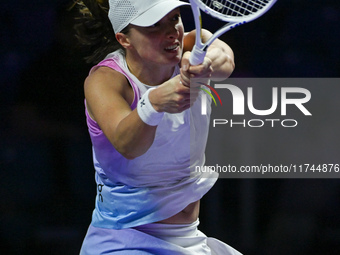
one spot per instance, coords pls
(197, 56)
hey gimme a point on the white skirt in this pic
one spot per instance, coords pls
(154, 239)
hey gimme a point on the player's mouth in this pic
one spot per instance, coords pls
(172, 48)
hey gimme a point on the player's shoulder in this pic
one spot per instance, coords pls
(190, 37)
(105, 75)
(104, 81)
(189, 40)
(104, 71)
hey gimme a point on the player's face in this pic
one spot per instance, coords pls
(161, 43)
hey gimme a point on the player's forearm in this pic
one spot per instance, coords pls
(132, 137)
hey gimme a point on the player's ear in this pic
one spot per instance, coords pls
(123, 40)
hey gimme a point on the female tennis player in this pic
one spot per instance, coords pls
(142, 116)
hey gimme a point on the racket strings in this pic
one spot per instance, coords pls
(236, 8)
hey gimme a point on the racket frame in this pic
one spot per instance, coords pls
(199, 50)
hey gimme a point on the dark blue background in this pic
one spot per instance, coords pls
(46, 174)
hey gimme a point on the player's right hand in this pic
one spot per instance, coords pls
(173, 96)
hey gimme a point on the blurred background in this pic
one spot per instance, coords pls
(47, 186)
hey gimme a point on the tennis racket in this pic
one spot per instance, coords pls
(235, 12)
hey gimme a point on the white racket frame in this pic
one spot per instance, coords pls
(199, 50)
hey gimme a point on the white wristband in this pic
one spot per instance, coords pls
(146, 111)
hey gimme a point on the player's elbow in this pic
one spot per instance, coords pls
(228, 66)
(126, 151)
(224, 70)
(129, 151)
(129, 156)
(231, 66)
(229, 60)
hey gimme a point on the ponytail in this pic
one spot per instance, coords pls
(94, 30)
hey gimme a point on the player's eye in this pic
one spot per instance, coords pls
(176, 17)
(155, 25)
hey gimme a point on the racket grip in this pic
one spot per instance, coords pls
(197, 56)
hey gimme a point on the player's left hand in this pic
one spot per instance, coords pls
(188, 71)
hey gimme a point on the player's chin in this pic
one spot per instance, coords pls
(174, 60)
(171, 57)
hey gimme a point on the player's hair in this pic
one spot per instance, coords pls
(94, 30)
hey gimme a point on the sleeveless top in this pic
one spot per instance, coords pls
(161, 182)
